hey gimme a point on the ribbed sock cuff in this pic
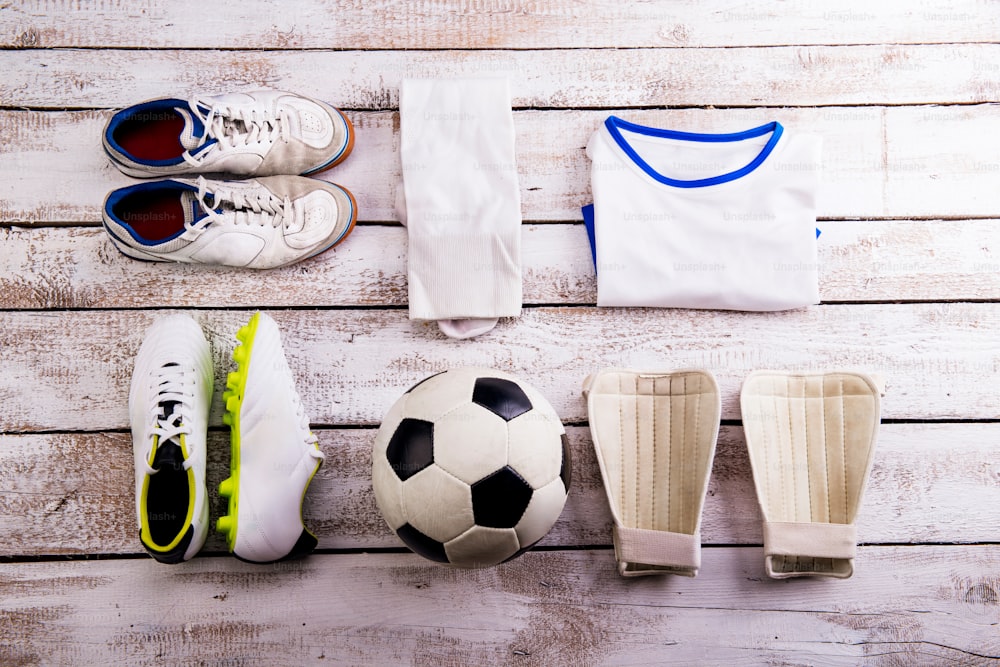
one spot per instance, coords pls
(460, 276)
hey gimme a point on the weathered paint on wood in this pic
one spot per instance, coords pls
(72, 493)
(460, 24)
(920, 605)
(940, 359)
(859, 261)
(909, 203)
(918, 162)
(549, 78)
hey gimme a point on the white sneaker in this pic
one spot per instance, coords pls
(262, 133)
(260, 223)
(274, 454)
(168, 407)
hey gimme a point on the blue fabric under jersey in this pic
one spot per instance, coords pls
(588, 222)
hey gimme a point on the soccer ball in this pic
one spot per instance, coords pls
(471, 467)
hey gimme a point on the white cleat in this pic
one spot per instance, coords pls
(274, 454)
(169, 399)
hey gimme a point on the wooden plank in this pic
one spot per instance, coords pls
(75, 267)
(70, 370)
(72, 493)
(550, 78)
(252, 24)
(918, 170)
(877, 162)
(904, 605)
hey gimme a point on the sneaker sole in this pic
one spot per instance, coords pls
(236, 384)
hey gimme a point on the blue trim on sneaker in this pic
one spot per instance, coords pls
(201, 149)
(615, 125)
(150, 107)
(115, 197)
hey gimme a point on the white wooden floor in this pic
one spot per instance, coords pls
(907, 96)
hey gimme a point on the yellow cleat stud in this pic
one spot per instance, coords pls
(224, 524)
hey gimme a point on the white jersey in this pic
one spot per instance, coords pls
(688, 220)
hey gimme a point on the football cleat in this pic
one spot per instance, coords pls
(260, 223)
(274, 455)
(169, 398)
(262, 133)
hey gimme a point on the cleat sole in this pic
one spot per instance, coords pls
(236, 382)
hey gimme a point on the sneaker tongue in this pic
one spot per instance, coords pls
(167, 410)
(193, 210)
(193, 130)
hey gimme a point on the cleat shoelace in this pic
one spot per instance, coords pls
(300, 412)
(169, 414)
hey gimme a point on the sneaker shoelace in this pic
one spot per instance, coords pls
(233, 126)
(256, 207)
(169, 413)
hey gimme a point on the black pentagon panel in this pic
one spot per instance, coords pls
(421, 544)
(501, 397)
(422, 381)
(411, 448)
(499, 500)
(566, 470)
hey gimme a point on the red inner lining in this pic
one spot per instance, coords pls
(154, 216)
(152, 140)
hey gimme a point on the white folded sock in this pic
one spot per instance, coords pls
(462, 202)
